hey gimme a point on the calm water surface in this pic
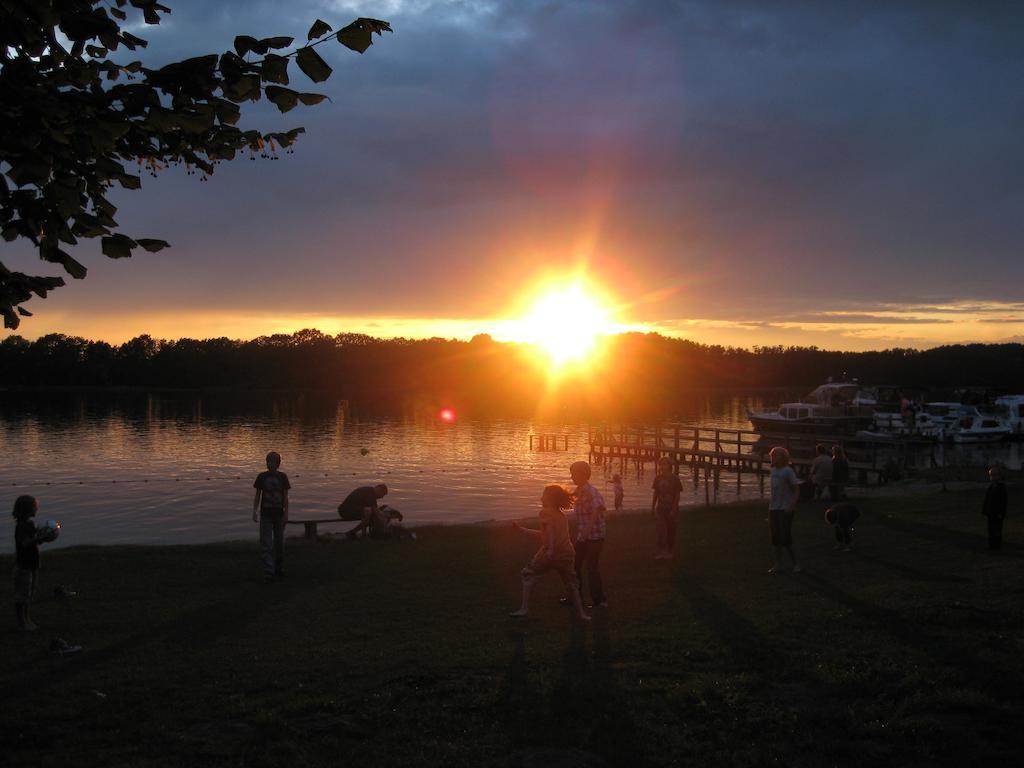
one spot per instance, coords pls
(179, 469)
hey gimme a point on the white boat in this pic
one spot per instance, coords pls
(1011, 409)
(939, 419)
(831, 409)
(979, 428)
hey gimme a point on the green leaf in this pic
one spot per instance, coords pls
(72, 267)
(132, 42)
(319, 29)
(130, 182)
(309, 99)
(275, 69)
(57, 256)
(314, 67)
(117, 246)
(152, 245)
(278, 42)
(246, 88)
(118, 14)
(227, 112)
(284, 98)
(358, 35)
(285, 139)
(244, 44)
(31, 169)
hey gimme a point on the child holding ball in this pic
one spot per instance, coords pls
(27, 539)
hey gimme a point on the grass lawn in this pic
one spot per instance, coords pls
(907, 651)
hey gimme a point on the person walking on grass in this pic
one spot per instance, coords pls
(591, 528)
(994, 507)
(821, 471)
(556, 552)
(665, 509)
(27, 539)
(840, 473)
(785, 492)
(270, 510)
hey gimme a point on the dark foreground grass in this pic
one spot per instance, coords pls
(907, 651)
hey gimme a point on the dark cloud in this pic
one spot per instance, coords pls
(842, 153)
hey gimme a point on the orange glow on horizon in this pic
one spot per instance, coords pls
(566, 323)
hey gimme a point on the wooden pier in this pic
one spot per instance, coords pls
(549, 442)
(712, 453)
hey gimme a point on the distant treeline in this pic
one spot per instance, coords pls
(639, 372)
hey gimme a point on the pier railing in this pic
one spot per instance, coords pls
(713, 451)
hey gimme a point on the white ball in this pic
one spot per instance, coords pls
(50, 530)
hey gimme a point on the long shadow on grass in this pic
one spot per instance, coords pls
(914, 574)
(775, 688)
(936, 533)
(959, 660)
(195, 628)
(584, 718)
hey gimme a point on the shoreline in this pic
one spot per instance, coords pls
(904, 489)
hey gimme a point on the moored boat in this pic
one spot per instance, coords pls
(979, 428)
(1011, 409)
(831, 409)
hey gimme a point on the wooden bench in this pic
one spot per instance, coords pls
(310, 525)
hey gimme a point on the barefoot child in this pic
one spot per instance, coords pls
(26, 560)
(556, 552)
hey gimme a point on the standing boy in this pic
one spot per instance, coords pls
(590, 511)
(994, 507)
(270, 510)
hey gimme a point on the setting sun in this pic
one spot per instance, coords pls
(566, 323)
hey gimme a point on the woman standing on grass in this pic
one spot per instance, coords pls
(785, 492)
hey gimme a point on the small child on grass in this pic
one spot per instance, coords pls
(27, 539)
(842, 516)
(665, 508)
(270, 510)
(556, 552)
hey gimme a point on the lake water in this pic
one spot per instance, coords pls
(176, 469)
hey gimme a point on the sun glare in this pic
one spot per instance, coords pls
(566, 323)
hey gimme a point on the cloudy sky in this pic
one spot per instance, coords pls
(845, 174)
